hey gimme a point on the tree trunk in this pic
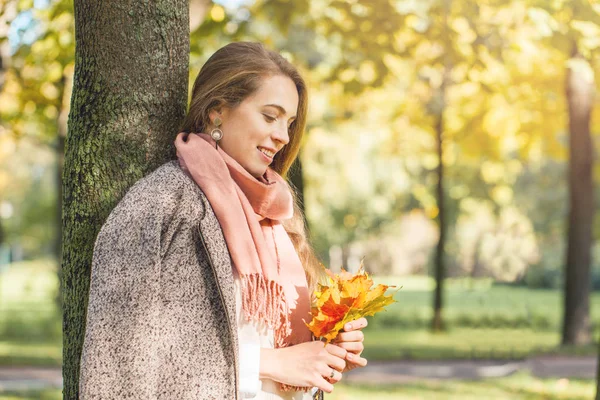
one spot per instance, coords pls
(129, 99)
(437, 323)
(580, 93)
(61, 134)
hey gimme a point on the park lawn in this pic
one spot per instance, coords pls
(458, 343)
(29, 282)
(476, 303)
(380, 344)
(514, 387)
(49, 394)
(484, 320)
(14, 352)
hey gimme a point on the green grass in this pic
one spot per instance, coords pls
(30, 353)
(459, 343)
(518, 386)
(50, 394)
(514, 387)
(29, 283)
(484, 320)
(477, 304)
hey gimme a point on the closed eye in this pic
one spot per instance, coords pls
(269, 118)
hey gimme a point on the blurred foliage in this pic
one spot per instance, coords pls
(34, 101)
(374, 68)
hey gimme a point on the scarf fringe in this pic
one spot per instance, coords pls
(264, 300)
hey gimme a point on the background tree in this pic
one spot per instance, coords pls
(580, 90)
(129, 97)
(573, 29)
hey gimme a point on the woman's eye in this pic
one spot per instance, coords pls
(269, 118)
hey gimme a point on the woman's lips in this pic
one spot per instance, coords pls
(265, 157)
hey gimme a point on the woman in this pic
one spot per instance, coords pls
(202, 274)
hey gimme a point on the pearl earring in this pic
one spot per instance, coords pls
(217, 134)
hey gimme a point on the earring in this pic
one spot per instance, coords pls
(217, 134)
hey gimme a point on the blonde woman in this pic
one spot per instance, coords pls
(202, 274)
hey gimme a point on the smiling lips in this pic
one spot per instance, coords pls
(266, 152)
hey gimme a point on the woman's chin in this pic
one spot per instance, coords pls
(257, 172)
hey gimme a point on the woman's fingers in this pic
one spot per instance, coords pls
(335, 356)
(352, 347)
(356, 360)
(336, 362)
(332, 375)
(356, 324)
(335, 350)
(324, 385)
(353, 336)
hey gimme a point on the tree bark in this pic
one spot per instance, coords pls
(437, 323)
(129, 99)
(580, 93)
(61, 134)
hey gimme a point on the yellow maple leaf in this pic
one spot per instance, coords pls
(346, 298)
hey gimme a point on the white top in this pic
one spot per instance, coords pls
(252, 337)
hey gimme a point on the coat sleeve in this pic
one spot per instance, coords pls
(119, 358)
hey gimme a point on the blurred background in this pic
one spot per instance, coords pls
(426, 117)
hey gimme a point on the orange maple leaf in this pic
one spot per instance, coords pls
(346, 298)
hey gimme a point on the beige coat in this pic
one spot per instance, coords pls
(161, 314)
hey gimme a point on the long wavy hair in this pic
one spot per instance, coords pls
(230, 75)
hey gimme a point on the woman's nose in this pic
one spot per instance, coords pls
(282, 134)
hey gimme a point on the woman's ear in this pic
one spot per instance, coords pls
(217, 112)
(213, 114)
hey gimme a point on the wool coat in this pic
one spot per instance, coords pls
(161, 318)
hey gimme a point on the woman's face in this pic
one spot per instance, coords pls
(256, 129)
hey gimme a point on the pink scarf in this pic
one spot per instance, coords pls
(249, 210)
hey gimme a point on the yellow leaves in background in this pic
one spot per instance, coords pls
(492, 172)
(590, 33)
(217, 13)
(582, 68)
(367, 72)
(501, 120)
(349, 221)
(544, 23)
(502, 195)
(9, 101)
(346, 298)
(49, 91)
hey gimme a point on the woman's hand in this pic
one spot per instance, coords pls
(306, 364)
(351, 340)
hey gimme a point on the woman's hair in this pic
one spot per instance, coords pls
(229, 76)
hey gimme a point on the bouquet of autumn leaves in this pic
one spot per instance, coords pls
(345, 297)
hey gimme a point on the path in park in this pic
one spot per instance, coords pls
(408, 370)
(15, 378)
